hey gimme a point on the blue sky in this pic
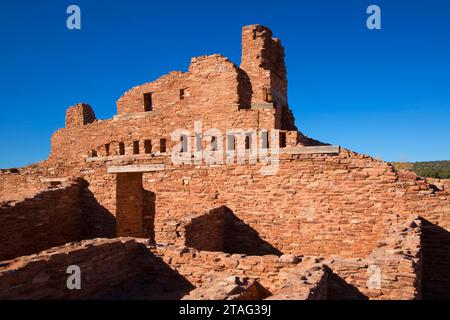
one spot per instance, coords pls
(384, 92)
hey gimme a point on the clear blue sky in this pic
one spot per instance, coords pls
(384, 93)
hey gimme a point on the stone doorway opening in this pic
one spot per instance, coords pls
(135, 207)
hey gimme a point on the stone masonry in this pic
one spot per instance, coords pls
(274, 214)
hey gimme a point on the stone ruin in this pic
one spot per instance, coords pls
(329, 224)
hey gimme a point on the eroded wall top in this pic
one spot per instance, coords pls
(214, 91)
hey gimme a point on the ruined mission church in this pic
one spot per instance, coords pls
(330, 224)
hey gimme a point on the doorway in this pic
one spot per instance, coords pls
(135, 207)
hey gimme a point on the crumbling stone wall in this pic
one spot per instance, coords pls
(110, 266)
(220, 287)
(202, 189)
(73, 146)
(263, 62)
(79, 115)
(16, 184)
(398, 258)
(50, 218)
(190, 90)
(104, 264)
(99, 212)
(303, 283)
(441, 184)
(197, 266)
(393, 270)
(309, 284)
(215, 230)
(202, 231)
(317, 204)
(432, 204)
(213, 91)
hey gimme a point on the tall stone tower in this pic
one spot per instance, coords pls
(263, 62)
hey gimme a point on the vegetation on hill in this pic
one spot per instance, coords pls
(431, 169)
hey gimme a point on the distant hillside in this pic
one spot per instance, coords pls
(431, 169)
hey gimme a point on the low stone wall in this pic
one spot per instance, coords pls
(105, 264)
(306, 283)
(222, 287)
(203, 232)
(16, 184)
(393, 270)
(129, 268)
(436, 261)
(215, 230)
(50, 218)
(310, 284)
(270, 270)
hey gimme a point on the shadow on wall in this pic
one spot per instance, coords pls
(148, 215)
(221, 230)
(110, 269)
(156, 281)
(436, 262)
(99, 222)
(339, 289)
(244, 90)
(242, 238)
(125, 268)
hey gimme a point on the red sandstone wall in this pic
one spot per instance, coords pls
(270, 270)
(21, 183)
(130, 200)
(99, 212)
(109, 266)
(202, 231)
(263, 61)
(206, 74)
(399, 259)
(48, 219)
(70, 146)
(316, 204)
(214, 91)
(104, 264)
(350, 182)
(398, 256)
(79, 115)
(443, 184)
(434, 209)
